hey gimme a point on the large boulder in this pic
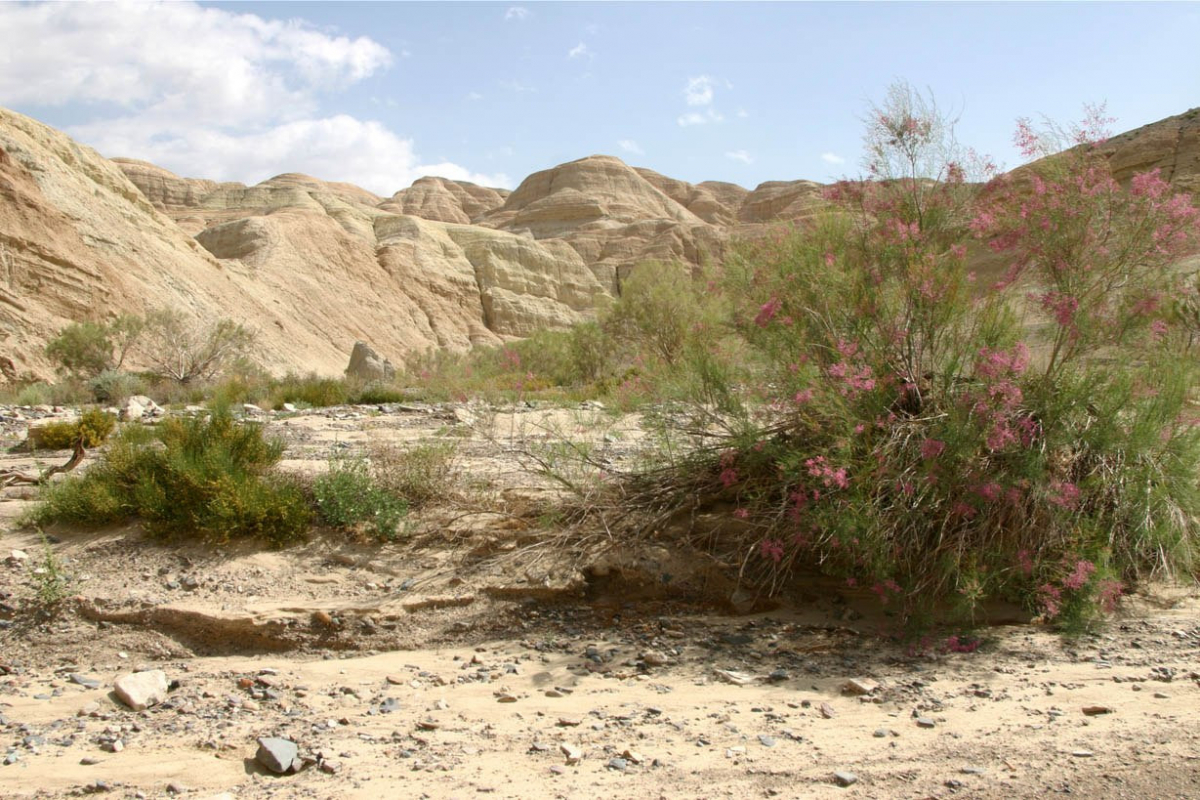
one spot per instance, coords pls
(367, 365)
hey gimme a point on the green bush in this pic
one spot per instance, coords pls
(211, 478)
(113, 387)
(898, 426)
(311, 390)
(90, 430)
(375, 394)
(348, 497)
(421, 474)
(86, 349)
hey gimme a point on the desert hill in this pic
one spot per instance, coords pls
(317, 265)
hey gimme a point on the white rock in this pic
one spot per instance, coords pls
(140, 690)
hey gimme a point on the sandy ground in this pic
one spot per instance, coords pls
(459, 663)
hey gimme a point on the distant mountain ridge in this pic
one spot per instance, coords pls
(316, 265)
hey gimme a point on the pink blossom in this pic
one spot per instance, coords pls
(767, 312)
(1025, 561)
(1079, 577)
(728, 477)
(741, 513)
(1064, 494)
(771, 549)
(1050, 599)
(803, 396)
(1148, 184)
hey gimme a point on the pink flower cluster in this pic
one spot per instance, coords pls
(832, 478)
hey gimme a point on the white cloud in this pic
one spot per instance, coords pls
(337, 148)
(580, 50)
(699, 91)
(832, 158)
(696, 118)
(207, 92)
(474, 96)
(630, 146)
(516, 12)
(212, 64)
(742, 113)
(740, 155)
(518, 87)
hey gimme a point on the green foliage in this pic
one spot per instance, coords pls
(421, 474)
(53, 584)
(376, 394)
(907, 430)
(113, 387)
(348, 497)
(86, 349)
(311, 390)
(81, 348)
(90, 430)
(211, 478)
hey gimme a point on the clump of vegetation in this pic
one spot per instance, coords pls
(202, 477)
(84, 350)
(938, 441)
(89, 431)
(181, 349)
(421, 474)
(350, 497)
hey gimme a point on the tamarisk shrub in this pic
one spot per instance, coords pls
(945, 440)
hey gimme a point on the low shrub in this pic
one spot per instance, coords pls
(349, 498)
(112, 387)
(208, 477)
(310, 390)
(375, 394)
(421, 474)
(90, 430)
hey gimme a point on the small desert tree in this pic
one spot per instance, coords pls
(86, 349)
(185, 350)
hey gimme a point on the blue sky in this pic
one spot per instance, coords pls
(380, 93)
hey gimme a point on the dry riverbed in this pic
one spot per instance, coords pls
(465, 660)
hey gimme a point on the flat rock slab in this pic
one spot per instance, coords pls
(140, 690)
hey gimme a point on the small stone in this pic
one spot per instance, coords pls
(89, 761)
(395, 680)
(736, 678)
(1161, 696)
(84, 680)
(558, 769)
(880, 733)
(555, 693)
(633, 756)
(925, 722)
(176, 788)
(859, 687)
(845, 778)
(331, 767)
(765, 740)
(140, 690)
(505, 697)
(653, 658)
(779, 675)
(1082, 753)
(973, 771)
(278, 755)
(1095, 711)
(573, 753)
(18, 556)
(618, 764)
(569, 722)
(827, 711)
(116, 746)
